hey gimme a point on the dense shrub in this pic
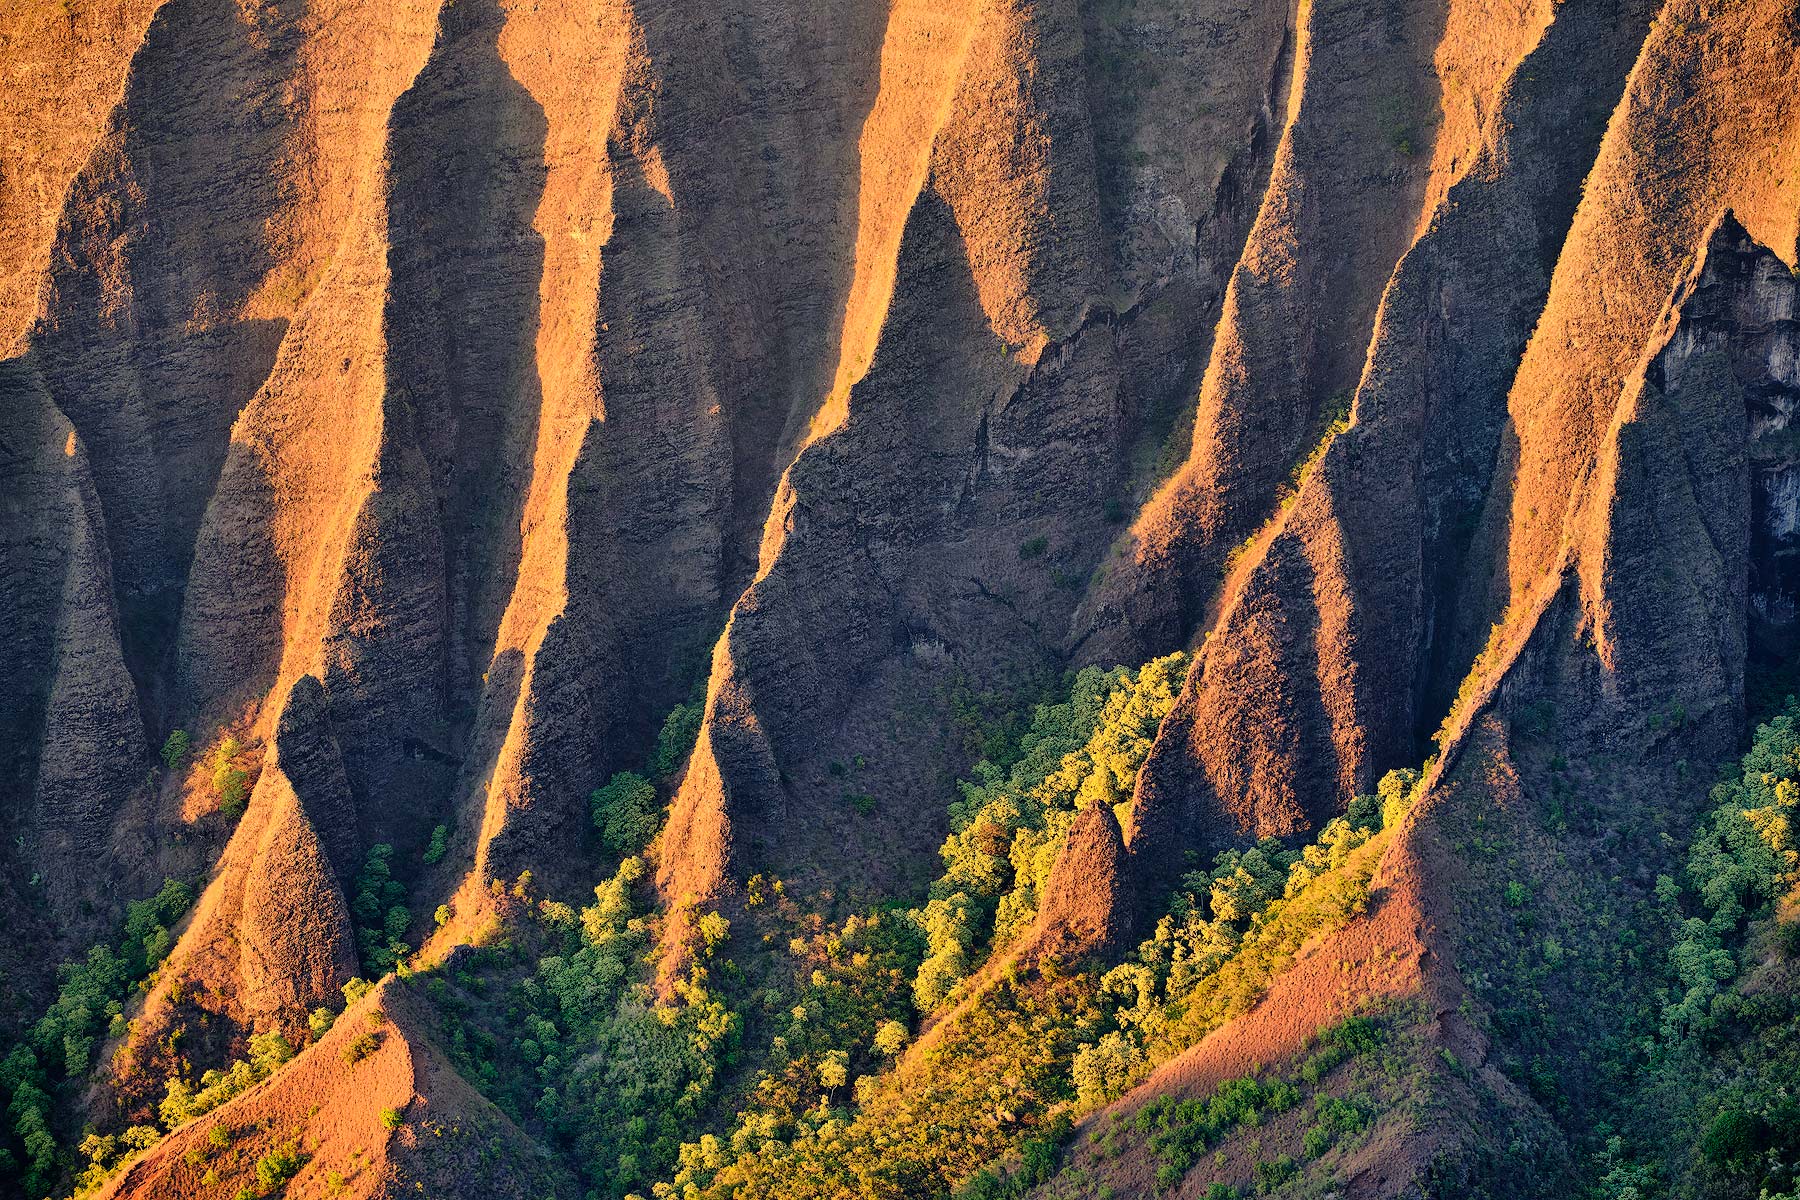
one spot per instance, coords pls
(1742, 857)
(183, 1101)
(626, 812)
(89, 1006)
(379, 908)
(582, 1047)
(1009, 824)
(230, 782)
(438, 846)
(275, 1168)
(175, 749)
(680, 729)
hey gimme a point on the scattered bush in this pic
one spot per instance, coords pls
(183, 1102)
(230, 783)
(175, 749)
(279, 1165)
(439, 845)
(89, 1005)
(1333, 1117)
(680, 730)
(1270, 1176)
(1199, 970)
(360, 1047)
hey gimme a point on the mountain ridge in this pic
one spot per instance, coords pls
(449, 413)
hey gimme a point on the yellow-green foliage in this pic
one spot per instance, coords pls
(183, 1102)
(175, 749)
(1706, 1104)
(1026, 1051)
(586, 1050)
(1211, 958)
(1332, 420)
(838, 1023)
(990, 1081)
(1181, 1131)
(106, 1153)
(1009, 825)
(1742, 858)
(230, 782)
(274, 1169)
(1475, 677)
(89, 1005)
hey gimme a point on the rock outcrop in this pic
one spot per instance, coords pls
(391, 1117)
(431, 395)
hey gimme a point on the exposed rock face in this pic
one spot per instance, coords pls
(312, 761)
(1342, 633)
(1086, 908)
(493, 385)
(270, 938)
(1649, 618)
(72, 745)
(991, 395)
(452, 1141)
(435, 393)
(64, 67)
(295, 945)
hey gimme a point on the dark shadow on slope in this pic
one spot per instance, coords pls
(162, 238)
(462, 319)
(759, 124)
(1554, 119)
(467, 148)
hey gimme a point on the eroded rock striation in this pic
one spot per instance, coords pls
(412, 401)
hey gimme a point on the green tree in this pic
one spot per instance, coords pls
(625, 812)
(440, 841)
(379, 908)
(680, 730)
(890, 1038)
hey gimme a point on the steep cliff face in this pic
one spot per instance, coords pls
(429, 396)
(413, 405)
(1332, 629)
(995, 392)
(442, 1136)
(1647, 625)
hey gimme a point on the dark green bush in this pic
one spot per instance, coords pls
(175, 749)
(680, 730)
(626, 813)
